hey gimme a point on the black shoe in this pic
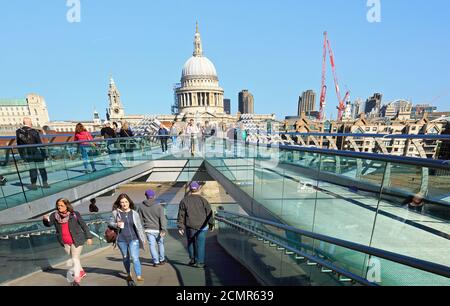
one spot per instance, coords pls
(162, 262)
(155, 265)
(192, 262)
(33, 187)
(45, 185)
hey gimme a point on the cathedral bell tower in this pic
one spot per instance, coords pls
(115, 110)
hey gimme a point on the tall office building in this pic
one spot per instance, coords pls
(246, 102)
(227, 106)
(373, 105)
(307, 102)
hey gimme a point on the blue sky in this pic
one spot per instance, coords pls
(272, 48)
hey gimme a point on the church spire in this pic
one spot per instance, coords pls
(198, 50)
(111, 80)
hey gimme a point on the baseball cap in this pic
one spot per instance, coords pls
(194, 186)
(150, 193)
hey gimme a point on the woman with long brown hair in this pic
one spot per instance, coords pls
(82, 134)
(131, 236)
(72, 233)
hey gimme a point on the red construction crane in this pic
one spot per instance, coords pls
(323, 91)
(341, 103)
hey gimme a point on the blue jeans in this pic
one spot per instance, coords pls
(132, 249)
(153, 239)
(196, 244)
(85, 155)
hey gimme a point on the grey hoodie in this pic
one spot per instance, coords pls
(152, 215)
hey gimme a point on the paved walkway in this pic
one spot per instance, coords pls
(104, 268)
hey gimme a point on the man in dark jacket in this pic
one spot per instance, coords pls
(155, 225)
(195, 217)
(35, 156)
(163, 134)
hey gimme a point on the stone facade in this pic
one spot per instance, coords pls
(13, 111)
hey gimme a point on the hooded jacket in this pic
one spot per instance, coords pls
(152, 215)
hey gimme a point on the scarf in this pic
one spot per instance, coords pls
(62, 218)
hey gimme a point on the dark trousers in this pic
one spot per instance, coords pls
(164, 144)
(34, 175)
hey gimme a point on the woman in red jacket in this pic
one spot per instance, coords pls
(85, 147)
(71, 232)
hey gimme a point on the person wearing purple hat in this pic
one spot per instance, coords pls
(155, 226)
(194, 218)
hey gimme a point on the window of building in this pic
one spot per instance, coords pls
(374, 129)
(367, 129)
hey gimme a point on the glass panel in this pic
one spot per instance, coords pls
(346, 200)
(413, 219)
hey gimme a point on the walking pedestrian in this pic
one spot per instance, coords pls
(71, 232)
(86, 147)
(163, 136)
(195, 217)
(174, 135)
(192, 132)
(155, 226)
(130, 237)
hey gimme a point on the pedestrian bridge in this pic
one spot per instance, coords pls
(308, 216)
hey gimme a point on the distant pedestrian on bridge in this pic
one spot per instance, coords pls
(174, 134)
(72, 233)
(87, 147)
(194, 218)
(163, 134)
(34, 156)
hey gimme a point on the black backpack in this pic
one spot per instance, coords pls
(25, 136)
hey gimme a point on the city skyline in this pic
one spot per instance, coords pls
(276, 60)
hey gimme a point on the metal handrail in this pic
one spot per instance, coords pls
(421, 162)
(319, 261)
(386, 136)
(118, 139)
(394, 257)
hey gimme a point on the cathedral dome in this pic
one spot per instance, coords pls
(199, 66)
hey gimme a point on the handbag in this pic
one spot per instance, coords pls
(110, 235)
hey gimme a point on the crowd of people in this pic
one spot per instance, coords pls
(28, 140)
(135, 226)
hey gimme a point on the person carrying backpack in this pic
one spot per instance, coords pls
(35, 156)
